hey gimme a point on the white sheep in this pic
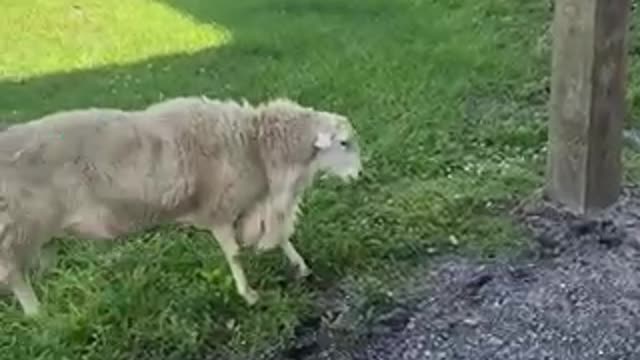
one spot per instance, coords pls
(234, 169)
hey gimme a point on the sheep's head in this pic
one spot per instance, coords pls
(337, 148)
(324, 141)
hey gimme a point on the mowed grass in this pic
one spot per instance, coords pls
(449, 98)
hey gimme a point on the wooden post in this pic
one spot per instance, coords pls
(589, 71)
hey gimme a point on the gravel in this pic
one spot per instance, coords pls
(573, 294)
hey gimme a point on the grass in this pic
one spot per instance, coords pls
(449, 97)
(40, 37)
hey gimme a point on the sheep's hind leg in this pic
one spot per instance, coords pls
(226, 239)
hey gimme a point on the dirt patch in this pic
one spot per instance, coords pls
(573, 294)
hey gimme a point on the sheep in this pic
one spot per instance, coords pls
(234, 169)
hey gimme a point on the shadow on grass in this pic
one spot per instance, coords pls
(264, 58)
(136, 85)
(350, 10)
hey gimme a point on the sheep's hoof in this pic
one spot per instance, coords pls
(303, 272)
(251, 297)
(31, 312)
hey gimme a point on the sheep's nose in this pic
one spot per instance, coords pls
(354, 175)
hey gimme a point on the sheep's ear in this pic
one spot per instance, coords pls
(323, 140)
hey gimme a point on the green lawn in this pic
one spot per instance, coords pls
(449, 97)
(65, 36)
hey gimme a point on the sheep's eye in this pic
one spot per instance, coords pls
(344, 144)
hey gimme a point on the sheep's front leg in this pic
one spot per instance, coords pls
(48, 257)
(14, 276)
(226, 238)
(23, 291)
(295, 258)
(288, 221)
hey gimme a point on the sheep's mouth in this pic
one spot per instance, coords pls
(355, 174)
(349, 176)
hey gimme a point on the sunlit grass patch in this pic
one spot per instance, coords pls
(45, 36)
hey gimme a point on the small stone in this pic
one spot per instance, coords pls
(472, 321)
